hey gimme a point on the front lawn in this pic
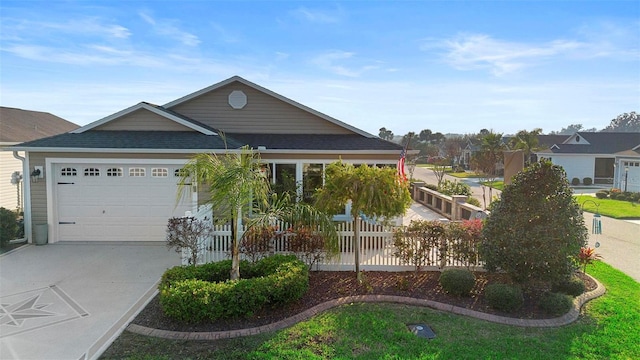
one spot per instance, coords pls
(608, 329)
(497, 184)
(616, 209)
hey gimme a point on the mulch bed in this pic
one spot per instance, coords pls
(327, 285)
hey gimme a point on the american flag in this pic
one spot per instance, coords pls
(401, 174)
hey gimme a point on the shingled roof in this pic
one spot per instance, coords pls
(135, 140)
(351, 142)
(18, 125)
(600, 143)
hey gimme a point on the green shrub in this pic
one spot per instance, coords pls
(457, 282)
(573, 287)
(555, 303)
(575, 181)
(635, 196)
(204, 292)
(602, 194)
(433, 187)
(448, 187)
(8, 226)
(504, 297)
(587, 181)
(473, 201)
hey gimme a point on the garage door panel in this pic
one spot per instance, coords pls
(116, 208)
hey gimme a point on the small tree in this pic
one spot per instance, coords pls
(374, 192)
(536, 229)
(188, 233)
(415, 243)
(8, 226)
(440, 168)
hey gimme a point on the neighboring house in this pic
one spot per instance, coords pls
(605, 157)
(116, 179)
(17, 126)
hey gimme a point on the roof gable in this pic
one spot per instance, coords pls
(145, 117)
(598, 143)
(262, 111)
(18, 125)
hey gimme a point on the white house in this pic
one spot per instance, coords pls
(607, 158)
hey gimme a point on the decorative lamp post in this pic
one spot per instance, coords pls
(626, 177)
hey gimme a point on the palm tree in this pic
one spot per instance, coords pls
(373, 192)
(235, 183)
(526, 141)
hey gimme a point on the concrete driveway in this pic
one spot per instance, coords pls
(70, 301)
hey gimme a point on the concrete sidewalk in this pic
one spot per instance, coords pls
(619, 243)
(69, 301)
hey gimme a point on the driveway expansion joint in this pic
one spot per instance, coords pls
(563, 320)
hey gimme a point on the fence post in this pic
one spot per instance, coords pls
(455, 206)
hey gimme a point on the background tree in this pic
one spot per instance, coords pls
(527, 141)
(385, 134)
(572, 129)
(453, 149)
(627, 122)
(374, 192)
(235, 184)
(536, 229)
(485, 161)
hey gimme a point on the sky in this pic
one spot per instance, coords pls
(448, 66)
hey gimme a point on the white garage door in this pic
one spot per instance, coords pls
(111, 202)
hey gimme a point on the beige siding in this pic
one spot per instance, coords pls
(262, 114)
(141, 120)
(8, 191)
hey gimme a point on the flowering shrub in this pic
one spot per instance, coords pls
(464, 241)
(257, 242)
(308, 244)
(587, 256)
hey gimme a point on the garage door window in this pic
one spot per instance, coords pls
(115, 172)
(159, 172)
(137, 172)
(91, 172)
(69, 171)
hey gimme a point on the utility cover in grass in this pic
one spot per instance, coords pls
(422, 330)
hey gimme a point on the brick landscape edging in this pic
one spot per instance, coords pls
(566, 319)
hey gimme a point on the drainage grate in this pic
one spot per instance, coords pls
(422, 330)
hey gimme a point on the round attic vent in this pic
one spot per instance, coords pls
(237, 99)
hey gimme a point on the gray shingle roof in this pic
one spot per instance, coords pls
(600, 143)
(135, 140)
(315, 142)
(17, 125)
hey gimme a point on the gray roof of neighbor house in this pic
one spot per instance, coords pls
(18, 125)
(135, 140)
(600, 143)
(547, 141)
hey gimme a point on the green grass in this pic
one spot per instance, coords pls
(616, 209)
(464, 174)
(608, 329)
(497, 184)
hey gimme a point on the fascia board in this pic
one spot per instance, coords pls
(148, 107)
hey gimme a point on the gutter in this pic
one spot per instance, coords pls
(26, 195)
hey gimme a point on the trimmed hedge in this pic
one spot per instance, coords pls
(504, 297)
(457, 282)
(555, 303)
(602, 194)
(199, 293)
(575, 181)
(573, 287)
(587, 181)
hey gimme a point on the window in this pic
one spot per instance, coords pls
(159, 172)
(311, 180)
(180, 172)
(68, 171)
(91, 172)
(115, 172)
(137, 172)
(285, 181)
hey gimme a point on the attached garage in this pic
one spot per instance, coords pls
(114, 201)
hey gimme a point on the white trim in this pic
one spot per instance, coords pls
(26, 183)
(52, 219)
(268, 92)
(147, 107)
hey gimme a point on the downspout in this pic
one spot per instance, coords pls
(26, 195)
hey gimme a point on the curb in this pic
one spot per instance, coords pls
(566, 319)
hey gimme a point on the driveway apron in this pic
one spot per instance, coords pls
(69, 301)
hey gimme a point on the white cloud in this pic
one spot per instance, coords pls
(479, 51)
(168, 28)
(319, 16)
(334, 62)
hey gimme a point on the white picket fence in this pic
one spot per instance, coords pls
(376, 249)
